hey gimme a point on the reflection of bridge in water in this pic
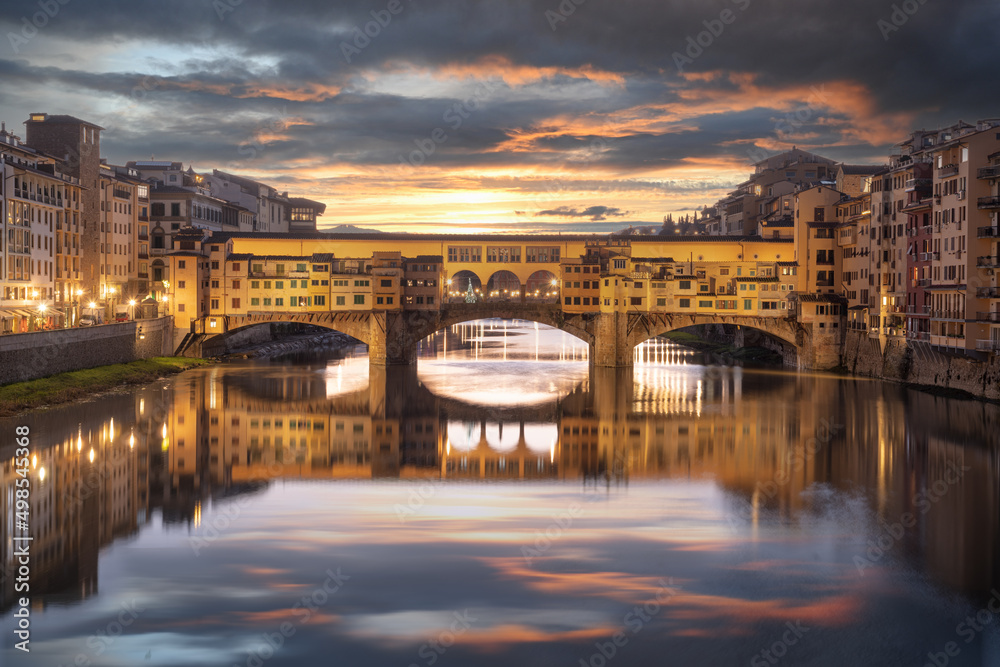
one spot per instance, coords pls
(762, 438)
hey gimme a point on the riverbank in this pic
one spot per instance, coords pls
(310, 341)
(74, 385)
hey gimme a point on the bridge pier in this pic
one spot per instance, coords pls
(610, 347)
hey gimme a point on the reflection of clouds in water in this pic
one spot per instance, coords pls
(502, 384)
(541, 438)
(345, 376)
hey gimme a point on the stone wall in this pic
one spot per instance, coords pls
(35, 355)
(921, 364)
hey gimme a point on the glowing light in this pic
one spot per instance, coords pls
(91, 305)
(43, 307)
(91, 455)
(79, 292)
(164, 429)
(34, 460)
(131, 441)
(79, 443)
(131, 302)
(41, 474)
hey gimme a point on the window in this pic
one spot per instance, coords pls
(180, 284)
(319, 300)
(215, 304)
(215, 284)
(465, 253)
(636, 301)
(175, 209)
(180, 308)
(157, 209)
(181, 264)
(359, 299)
(236, 303)
(747, 304)
(388, 300)
(267, 301)
(541, 254)
(661, 301)
(685, 284)
(503, 254)
(254, 284)
(378, 300)
(279, 301)
(684, 303)
(386, 283)
(341, 301)
(361, 283)
(236, 284)
(215, 265)
(704, 304)
(254, 301)
(619, 263)
(279, 284)
(279, 269)
(257, 268)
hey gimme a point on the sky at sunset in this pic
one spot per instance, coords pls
(464, 115)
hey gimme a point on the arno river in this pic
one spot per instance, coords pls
(502, 504)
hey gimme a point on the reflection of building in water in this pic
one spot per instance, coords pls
(763, 437)
(84, 495)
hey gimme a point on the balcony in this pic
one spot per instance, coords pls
(988, 293)
(989, 203)
(988, 232)
(948, 170)
(988, 345)
(918, 184)
(919, 335)
(988, 172)
(993, 317)
(924, 282)
(988, 262)
(947, 314)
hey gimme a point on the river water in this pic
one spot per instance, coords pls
(501, 504)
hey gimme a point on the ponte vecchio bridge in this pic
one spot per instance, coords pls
(390, 291)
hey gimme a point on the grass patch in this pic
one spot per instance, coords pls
(66, 387)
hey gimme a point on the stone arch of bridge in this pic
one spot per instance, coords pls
(780, 330)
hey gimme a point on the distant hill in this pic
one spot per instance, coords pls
(349, 229)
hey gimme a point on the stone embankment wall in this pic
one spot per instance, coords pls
(35, 355)
(919, 363)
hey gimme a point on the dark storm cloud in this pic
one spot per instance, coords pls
(279, 80)
(595, 213)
